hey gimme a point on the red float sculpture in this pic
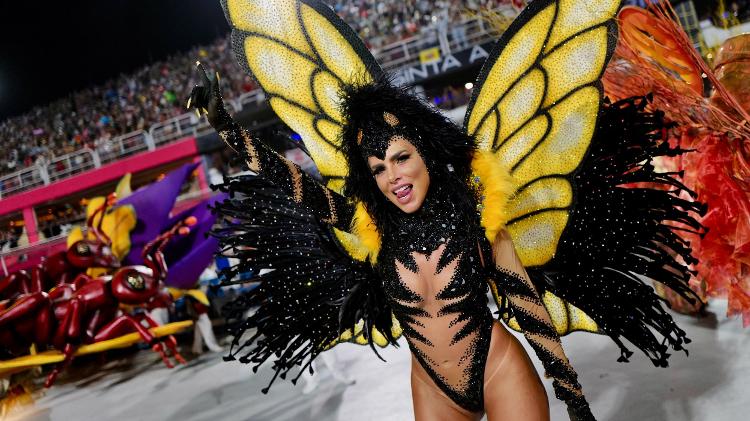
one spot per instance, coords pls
(64, 267)
(85, 310)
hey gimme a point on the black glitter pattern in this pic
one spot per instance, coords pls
(301, 307)
(436, 225)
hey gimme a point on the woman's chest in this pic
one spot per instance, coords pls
(448, 272)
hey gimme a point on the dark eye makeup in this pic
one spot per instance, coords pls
(403, 157)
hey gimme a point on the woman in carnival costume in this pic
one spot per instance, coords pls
(420, 218)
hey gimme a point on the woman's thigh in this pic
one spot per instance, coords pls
(513, 390)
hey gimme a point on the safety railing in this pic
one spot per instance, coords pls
(15, 255)
(123, 146)
(252, 99)
(404, 53)
(188, 124)
(71, 164)
(25, 179)
(448, 39)
(10, 256)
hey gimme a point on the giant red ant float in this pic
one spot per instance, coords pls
(64, 267)
(85, 311)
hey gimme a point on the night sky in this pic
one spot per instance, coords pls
(52, 48)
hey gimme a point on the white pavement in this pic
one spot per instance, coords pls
(713, 384)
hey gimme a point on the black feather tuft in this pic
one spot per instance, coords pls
(622, 231)
(298, 309)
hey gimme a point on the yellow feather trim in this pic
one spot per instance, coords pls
(496, 188)
(363, 243)
(364, 228)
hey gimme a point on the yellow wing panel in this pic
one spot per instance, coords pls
(486, 134)
(271, 19)
(328, 130)
(519, 54)
(379, 338)
(396, 329)
(575, 15)
(566, 317)
(335, 51)
(542, 194)
(279, 71)
(521, 103)
(540, 127)
(536, 236)
(302, 53)
(579, 62)
(357, 335)
(522, 143)
(325, 89)
(558, 312)
(580, 321)
(573, 124)
(328, 159)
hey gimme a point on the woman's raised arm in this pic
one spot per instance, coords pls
(328, 206)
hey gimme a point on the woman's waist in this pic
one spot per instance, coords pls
(440, 327)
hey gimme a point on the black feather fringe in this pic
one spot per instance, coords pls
(315, 292)
(623, 231)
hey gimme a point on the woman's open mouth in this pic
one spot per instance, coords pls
(403, 193)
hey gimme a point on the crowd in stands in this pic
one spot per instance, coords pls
(383, 22)
(91, 117)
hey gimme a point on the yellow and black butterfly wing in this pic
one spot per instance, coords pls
(301, 53)
(536, 106)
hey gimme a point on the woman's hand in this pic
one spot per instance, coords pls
(206, 98)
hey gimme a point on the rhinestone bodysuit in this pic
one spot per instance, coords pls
(432, 271)
(437, 289)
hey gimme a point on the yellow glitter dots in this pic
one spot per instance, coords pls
(301, 60)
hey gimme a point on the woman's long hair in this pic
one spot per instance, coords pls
(445, 148)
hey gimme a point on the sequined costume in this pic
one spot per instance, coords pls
(433, 279)
(527, 200)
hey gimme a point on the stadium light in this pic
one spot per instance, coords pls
(469, 86)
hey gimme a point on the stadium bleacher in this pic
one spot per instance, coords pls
(92, 117)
